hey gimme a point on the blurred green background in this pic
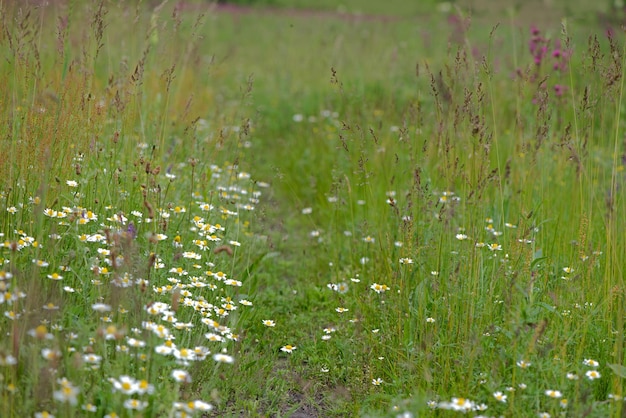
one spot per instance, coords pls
(539, 11)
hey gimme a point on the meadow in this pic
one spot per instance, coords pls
(222, 211)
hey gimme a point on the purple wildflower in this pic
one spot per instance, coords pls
(131, 230)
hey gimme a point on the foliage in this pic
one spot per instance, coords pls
(271, 213)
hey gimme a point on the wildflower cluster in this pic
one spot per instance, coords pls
(548, 53)
(140, 311)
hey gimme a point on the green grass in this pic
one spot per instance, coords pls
(412, 206)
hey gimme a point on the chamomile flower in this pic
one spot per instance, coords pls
(143, 387)
(458, 404)
(133, 342)
(49, 354)
(55, 276)
(67, 392)
(342, 287)
(12, 315)
(377, 382)
(213, 337)
(92, 358)
(379, 288)
(125, 384)
(199, 405)
(164, 349)
(41, 333)
(184, 354)
(88, 407)
(192, 255)
(590, 363)
(554, 393)
(223, 358)
(500, 397)
(181, 376)
(269, 323)
(41, 263)
(7, 360)
(101, 307)
(190, 407)
(135, 404)
(593, 374)
(288, 348)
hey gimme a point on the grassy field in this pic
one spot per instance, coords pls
(210, 211)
